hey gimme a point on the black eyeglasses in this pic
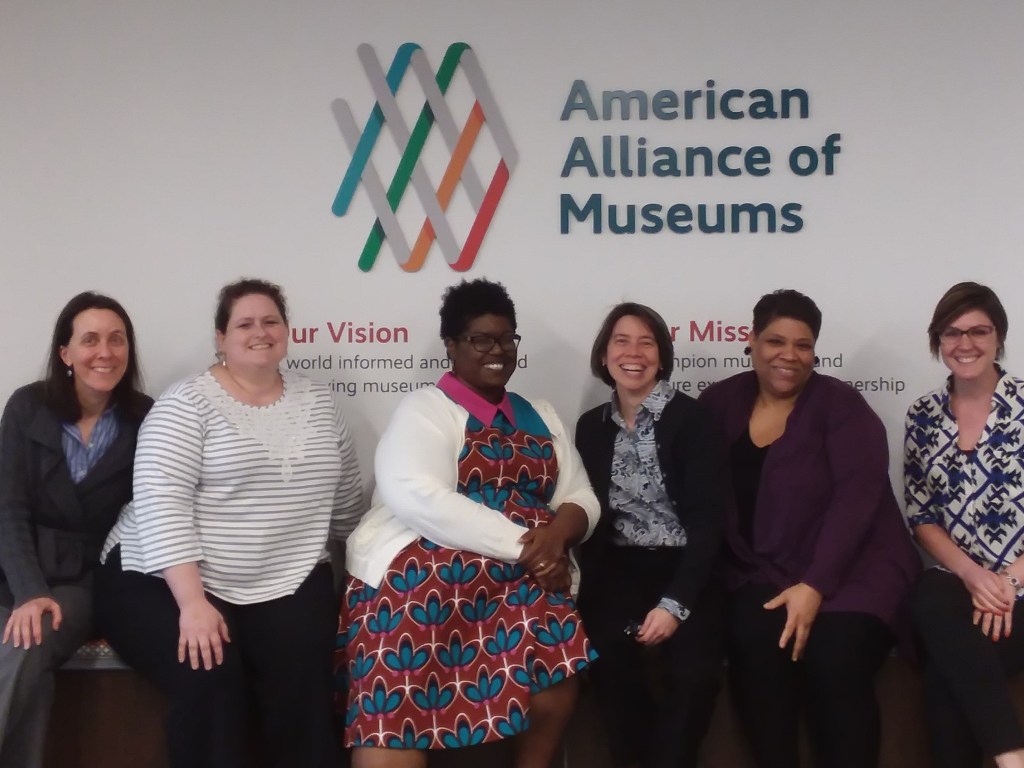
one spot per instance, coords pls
(953, 335)
(484, 342)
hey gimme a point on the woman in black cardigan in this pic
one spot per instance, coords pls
(657, 464)
(67, 446)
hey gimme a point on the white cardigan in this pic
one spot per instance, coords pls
(417, 474)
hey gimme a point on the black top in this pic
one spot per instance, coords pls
(746, 461)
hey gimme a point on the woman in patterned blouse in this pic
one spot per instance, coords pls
(965, 502)
(658, 465)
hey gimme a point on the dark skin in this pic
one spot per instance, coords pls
(543, 555)
(545, 548)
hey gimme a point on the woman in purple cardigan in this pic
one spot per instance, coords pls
(820, 563)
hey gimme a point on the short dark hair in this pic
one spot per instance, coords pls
(963, 298)
(788, 303)
(470, 299)
(59, 388)
(247, 286)
(648, 317)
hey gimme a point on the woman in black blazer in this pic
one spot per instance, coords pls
(67, 445)
(657, 464)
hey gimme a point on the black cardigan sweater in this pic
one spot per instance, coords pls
(693, 461)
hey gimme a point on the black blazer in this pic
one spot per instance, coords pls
(51, 531)
(692, 457)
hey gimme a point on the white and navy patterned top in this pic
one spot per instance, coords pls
(643, 510)
(976, 496)
(249, 493)
(81, 457)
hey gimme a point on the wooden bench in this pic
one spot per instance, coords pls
(106, 716)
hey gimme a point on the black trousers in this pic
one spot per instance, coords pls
(280, 653)
(660, 725)
(967, 701)
(834, 683)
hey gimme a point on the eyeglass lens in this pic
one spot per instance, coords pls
(484, 342)
(975, 332)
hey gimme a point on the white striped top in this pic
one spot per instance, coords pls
(250, 493)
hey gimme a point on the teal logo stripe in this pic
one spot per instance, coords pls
(410, 141)
(370, 133)
(404, 173)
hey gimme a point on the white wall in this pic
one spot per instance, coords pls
(156, 150)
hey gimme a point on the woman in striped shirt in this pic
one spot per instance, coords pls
(216, 580)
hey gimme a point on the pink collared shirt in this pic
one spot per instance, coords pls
(479, 407)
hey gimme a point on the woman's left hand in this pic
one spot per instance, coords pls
(555, 578)
(994, 625)
(544, 556)
(543, 547)
(659, 625)
(802, 602)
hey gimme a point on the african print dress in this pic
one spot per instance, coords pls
(447, 651)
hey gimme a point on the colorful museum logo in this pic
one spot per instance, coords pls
(410, 136)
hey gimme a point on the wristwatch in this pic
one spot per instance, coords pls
(1016, 583)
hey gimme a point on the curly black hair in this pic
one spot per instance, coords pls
(470, 299)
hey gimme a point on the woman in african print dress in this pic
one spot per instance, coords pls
(457, 625)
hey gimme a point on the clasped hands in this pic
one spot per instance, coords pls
(545, 556)
(993, 598)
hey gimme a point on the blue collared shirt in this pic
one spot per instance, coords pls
(82, 457)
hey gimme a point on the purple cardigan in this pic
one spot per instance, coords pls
(825, 514)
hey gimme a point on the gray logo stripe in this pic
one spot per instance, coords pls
(374, 186)
(400, 133)
(450, 132)
(492, 115)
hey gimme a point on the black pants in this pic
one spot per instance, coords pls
(834, 683)
(280, 651)
(967, 701)
(658, 726)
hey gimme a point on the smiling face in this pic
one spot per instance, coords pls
(256, 334)
(488, 372)
(970, 356)
(783, 357)
(97, 353)
(632, 357)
